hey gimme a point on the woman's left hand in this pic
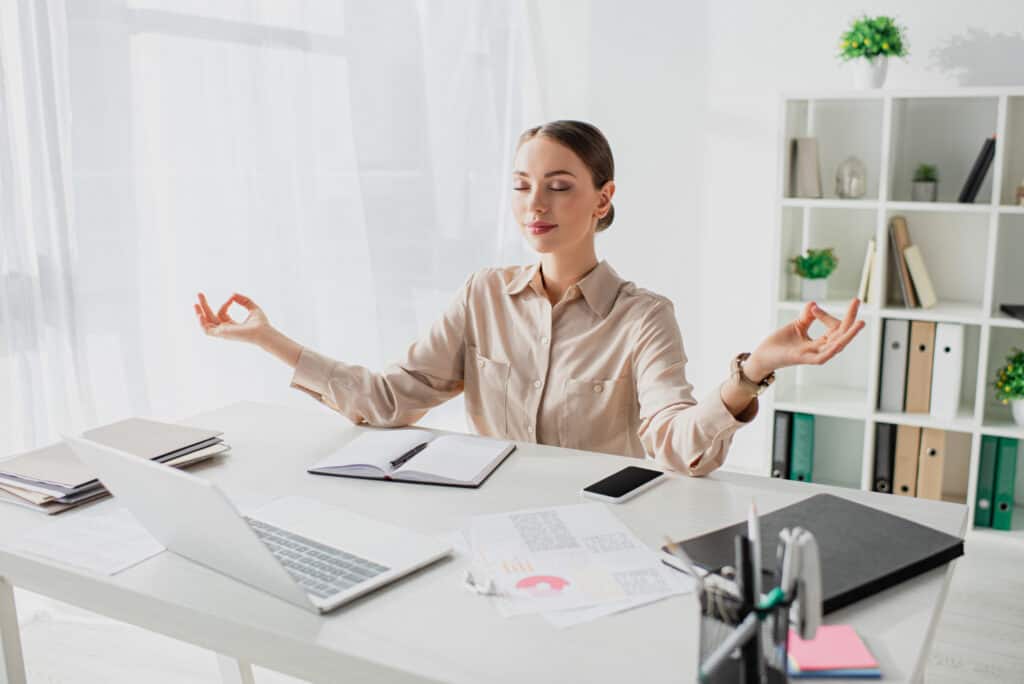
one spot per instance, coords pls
(791, 345)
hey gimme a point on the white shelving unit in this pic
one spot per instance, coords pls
(974, 253)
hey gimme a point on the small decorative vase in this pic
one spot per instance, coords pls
(1017, 406)
(813, 289)
(851, 178)
(924, 191)
(869, 72)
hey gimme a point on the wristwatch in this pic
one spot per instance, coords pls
(755, 387)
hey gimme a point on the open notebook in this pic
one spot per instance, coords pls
(410, 455)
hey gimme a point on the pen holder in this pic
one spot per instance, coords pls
(722, 614)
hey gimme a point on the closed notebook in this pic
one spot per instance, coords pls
(904, 475)
(931, 462)
(865, 272)
(863, 550)
(893, 382)
(885, 448)
(1006, 476)
(986, 481)
(947, 369)
(801, 452)
(780, 443)
(923, 287)
(409, 455)
(919, 367)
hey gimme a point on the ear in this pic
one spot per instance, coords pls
(604, 203)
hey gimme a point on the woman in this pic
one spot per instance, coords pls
(563, 352)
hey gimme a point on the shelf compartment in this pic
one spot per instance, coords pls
(1017, 523)
(846, 231)
(843, 127)
(946, 132)
(1001, 340)
(954, 248)
(1013, 153)
(1008, 280)
(838, 451)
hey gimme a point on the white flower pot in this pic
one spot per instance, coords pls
(870, 72)
(813, 289)
(924, 191)
(1017, 406)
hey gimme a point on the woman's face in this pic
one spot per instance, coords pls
(553, 196)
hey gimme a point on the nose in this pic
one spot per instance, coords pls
(535, 204)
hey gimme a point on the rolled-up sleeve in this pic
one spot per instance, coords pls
(430, 373)
(674, 429)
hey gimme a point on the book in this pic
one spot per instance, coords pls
(986, 481)
(919, 277)
(947, 370)
(835, 651)
(411, 455)
(804, 170)
(885, 452)
(919, 367)
(904, 472)
(781, 439)
(865, 272)
(1006, 476)
(899, 235)
(863, 550)
(976, 177)
(801, 453)
(892, 384)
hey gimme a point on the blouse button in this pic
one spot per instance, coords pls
(598, 388)
(537, 383)
(480, 362)
(530, 429)
(544, 340)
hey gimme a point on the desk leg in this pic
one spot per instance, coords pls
(13, 670)
(234, 671)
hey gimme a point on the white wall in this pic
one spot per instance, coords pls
(688, 96)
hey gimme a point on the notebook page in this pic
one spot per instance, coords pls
(455, 458)
(376, 448)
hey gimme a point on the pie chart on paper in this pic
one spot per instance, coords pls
(539, 586)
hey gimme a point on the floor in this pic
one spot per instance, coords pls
(980, 638)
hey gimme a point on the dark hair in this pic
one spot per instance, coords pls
(590, 146)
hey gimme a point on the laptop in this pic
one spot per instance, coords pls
(317, 561)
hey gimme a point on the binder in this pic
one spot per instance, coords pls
(947, 369)
(801, 453)
(805, 172)
(885, 444)
(893, 381)
(931, 459)
(900, 237)
(986, 481)
(919, 366)
(1006, 474)
(780, 443)
(908, 445)
(976, 177)
(919, 277)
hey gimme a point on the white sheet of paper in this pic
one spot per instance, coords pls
(568, 557)
(679, 583)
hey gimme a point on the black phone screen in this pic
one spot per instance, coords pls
(623, 482)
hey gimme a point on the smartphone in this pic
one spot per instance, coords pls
(623, 485)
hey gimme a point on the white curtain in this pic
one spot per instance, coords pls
(345, 164)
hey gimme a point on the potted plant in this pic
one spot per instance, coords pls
(869, 42)
(813, 269)
(1009, 384)
(926, 183)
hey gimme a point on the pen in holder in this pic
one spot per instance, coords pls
(743, 639)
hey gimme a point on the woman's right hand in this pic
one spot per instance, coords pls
(253, 329)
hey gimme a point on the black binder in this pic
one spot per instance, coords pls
(1015, 310)
(885, 457)
(863, 550)
(978, 172)
(780, 444)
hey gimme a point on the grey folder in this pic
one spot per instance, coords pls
(893, 381)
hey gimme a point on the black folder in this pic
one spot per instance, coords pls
(978, 172)
(885, 457)
(863, 550)
(781, 444)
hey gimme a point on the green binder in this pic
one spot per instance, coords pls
(986, 481)
(1006, 474)
(801, 452)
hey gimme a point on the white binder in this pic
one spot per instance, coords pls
(893, 381)
(947, 369)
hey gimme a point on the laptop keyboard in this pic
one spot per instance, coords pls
(319, 569)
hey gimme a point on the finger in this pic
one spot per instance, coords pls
(207, 311)
(836, 345)
(824, 317)
(222, 313)
(804, 320)
(244, 301)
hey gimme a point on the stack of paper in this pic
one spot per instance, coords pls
(52, 479)
(571, 563)
(835, 651)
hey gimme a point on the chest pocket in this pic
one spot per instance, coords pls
(486, 390)
(598, 415)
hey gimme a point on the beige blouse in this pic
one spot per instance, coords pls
(601, 370)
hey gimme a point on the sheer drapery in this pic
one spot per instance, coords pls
(343, 164)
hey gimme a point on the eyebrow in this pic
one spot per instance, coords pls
(548, 174)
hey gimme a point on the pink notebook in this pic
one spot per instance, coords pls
(834, 647)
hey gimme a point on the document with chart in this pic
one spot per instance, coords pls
(569, 557)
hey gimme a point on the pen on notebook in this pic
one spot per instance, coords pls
(401, 460)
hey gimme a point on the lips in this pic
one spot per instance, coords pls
(541, 227)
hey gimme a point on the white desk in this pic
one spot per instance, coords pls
(427, 627)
